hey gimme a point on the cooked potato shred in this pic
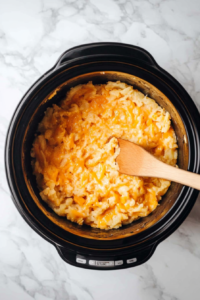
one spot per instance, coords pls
(74, 154)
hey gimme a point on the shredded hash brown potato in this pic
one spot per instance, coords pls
(74, 154)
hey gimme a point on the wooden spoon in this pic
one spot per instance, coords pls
(134, 160)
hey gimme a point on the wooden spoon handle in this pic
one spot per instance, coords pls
(178, 175)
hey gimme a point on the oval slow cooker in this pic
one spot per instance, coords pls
(84, 246)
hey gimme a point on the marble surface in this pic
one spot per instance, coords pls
(32, 36)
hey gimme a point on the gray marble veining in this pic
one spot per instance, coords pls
(33, 34)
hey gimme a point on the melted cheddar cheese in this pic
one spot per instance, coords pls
(74, 154)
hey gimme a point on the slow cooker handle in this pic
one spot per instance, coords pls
(114, 50)
(117, 261)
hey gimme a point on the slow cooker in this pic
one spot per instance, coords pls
(84, 246)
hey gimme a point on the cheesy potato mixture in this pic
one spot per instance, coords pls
(74, 154)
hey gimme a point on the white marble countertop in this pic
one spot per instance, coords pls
(33, 34)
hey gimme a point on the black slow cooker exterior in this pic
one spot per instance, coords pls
(105, 251)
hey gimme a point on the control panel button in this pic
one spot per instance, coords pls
(100, 263)
(92, 262)
(80, 260)
(118, 262)
(131, 260)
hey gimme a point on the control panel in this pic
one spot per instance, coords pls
(104, 263)
(106, 260)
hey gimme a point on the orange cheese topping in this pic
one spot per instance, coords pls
(74, 154)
